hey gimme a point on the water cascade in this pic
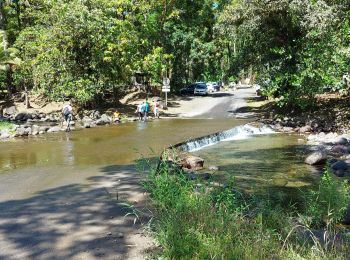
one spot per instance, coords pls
(236, 133)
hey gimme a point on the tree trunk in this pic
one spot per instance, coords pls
(26, 100)
(9, 81)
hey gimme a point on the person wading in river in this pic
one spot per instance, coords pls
(139, 111)
(146, 110)
(67, 113)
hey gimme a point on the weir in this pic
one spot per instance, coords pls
(236, 133)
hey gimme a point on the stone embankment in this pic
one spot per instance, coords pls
(31, 124)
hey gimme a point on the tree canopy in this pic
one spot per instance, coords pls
(82, 48)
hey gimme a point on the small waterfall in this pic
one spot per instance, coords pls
(236, 133)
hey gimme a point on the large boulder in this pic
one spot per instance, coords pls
(104, 120)
(23, 116)
(316, 158)
(340, 165)
(193, 162)
(9, 111)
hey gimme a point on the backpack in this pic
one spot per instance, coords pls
(66, 111)
(147, 107)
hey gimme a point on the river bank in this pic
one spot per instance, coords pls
(48, 119)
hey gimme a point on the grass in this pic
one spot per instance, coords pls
(4, 125)
(195, 220)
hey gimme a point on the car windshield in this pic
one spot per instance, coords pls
(201, 86)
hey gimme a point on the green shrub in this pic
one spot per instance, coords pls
(327, 205)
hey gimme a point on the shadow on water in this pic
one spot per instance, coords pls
(72, 221)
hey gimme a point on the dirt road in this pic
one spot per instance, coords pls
(223, 104)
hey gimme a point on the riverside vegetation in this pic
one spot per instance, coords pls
(89, 50)
(201, 220)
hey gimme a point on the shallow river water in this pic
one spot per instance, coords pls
(37, 163)
(263, 162)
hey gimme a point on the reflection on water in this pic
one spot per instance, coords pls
(110, 145)
(68, 154)
(271, 161)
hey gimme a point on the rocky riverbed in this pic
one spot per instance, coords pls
(26, 124)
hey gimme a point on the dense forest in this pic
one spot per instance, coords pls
(83, 48)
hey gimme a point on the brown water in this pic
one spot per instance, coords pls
(52, 160)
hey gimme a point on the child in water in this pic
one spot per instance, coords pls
(116, 117)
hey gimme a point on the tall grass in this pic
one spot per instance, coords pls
(195, 220)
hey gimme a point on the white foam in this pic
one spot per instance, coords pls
(236, 133)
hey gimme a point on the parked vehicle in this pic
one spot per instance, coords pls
(189, 90)
(201, 89)
(212, 86)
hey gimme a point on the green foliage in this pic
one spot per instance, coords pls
(83, 49)
(194, 219)
(300, 46)
(327, 205)
(4, 125)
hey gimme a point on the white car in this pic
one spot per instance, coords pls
(212, 87)
(201, 89)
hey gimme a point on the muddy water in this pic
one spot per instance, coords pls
(263, 162)
(30, 165)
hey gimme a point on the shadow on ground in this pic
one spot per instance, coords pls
(74, 221)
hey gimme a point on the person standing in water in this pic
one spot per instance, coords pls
(139, 110)
(67, 113)
(156, 109)
(146, 110)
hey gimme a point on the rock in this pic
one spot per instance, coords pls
(86, 125)
(213, 168)
(23, 117)
(340, 165)
(9, 111)
(288, 129)
(43, 128)
(196, 175)
(330, 137)
(96, 115)
(104, 120)
(54, 129)
(340, 140)
(346, 220)
(28, 131)
(316, 158)
(193, 162)
(120, 235)
(35, 130)
(340, 149)
(21, 131)
(4, 134)
(41, 132)
(305, 129)
(339, 173)
(53, 118)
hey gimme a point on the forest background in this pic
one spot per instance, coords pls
(84, 49)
